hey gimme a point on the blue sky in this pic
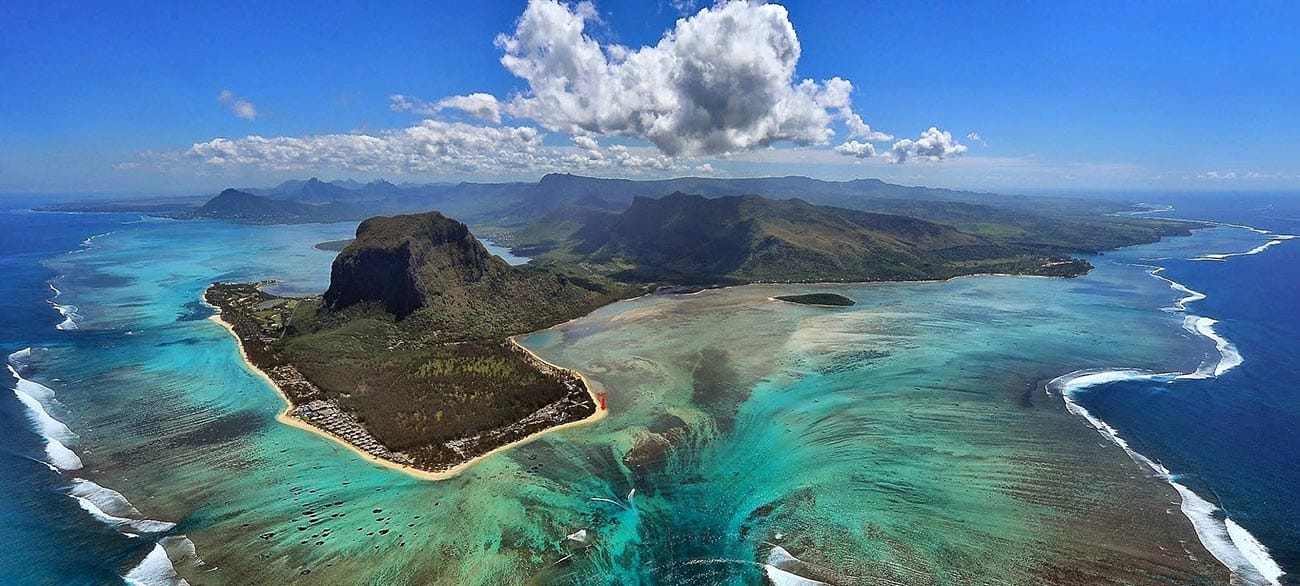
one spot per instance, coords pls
(131, 97)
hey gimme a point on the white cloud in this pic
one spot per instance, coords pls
(975, 137)
(477, 105)
(720, 86)
(241, 107)
(721, 80)
(853, 148)
(431, 147)
(683, 6)
(860, 129)
(642, 158)
(1231, 175)
(933, 145)
(411, 105)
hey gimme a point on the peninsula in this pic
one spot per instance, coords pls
(409, 357)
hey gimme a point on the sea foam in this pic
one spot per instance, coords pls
(1274, 240)
(1229, 542)
(155, 569)
(778, 568)
(111, 508)
(69, 313)
(52, 431)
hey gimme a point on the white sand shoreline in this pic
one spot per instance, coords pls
(286, 415)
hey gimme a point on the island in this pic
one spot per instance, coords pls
(822, 299)
(333, 245)
(410, 359)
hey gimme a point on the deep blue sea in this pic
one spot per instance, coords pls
(1232, 438)
(28, 506)
(1229, 438)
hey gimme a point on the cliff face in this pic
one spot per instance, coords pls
(433, 275)
(404, 261)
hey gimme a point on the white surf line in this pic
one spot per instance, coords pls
(112, 509)
(157, 569)
(1152, 209)
(90, 240)
(1229, 542)
(1274, 240)
(1192, 296)
(105, 505)
(1234, 547)
(69, 313)
(54, 432)
(778, 559)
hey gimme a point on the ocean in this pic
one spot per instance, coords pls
(919, 437)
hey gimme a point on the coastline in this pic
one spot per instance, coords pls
(1246, 558)
(286, 417)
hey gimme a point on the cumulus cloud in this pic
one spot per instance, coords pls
(478, 105)
(933, 145)
(853, 148)
(241, 107)
(975, 137)
(431, 147)
(720, 81)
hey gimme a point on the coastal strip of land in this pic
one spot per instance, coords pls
(294, 415)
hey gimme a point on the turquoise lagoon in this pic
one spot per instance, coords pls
(908, 439)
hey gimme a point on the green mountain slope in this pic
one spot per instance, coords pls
(428, 269)
(693, 239)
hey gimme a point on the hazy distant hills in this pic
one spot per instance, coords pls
(538, 216)
(233, 204)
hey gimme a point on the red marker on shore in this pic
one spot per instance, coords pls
(602, 400)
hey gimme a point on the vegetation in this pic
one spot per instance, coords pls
(233, 204)
(411, 342)
(689, 239)
(818, 299)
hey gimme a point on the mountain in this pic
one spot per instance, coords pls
(233, 204)
(429, 268)
(690, 238)
(410, 340)
(317, 191)
(558, 189)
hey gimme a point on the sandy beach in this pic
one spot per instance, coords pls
(286, 416)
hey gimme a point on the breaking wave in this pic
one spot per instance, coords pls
(1230, 543)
